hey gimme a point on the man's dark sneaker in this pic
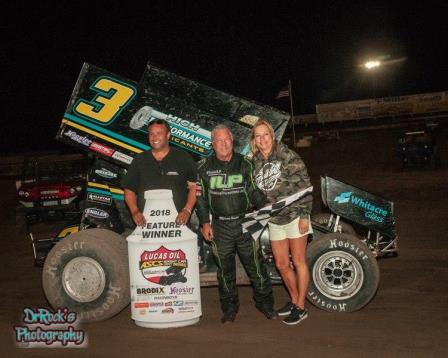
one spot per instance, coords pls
(286, 309)
(228, 317)
(268, 312)
(296, 316)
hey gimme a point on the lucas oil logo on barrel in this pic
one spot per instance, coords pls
(163, 266)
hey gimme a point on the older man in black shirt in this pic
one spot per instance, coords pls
(162, 167)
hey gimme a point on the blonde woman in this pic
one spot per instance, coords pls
(280, 172)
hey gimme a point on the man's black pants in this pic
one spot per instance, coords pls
(228, 240)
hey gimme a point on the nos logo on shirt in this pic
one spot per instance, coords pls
(220, 182)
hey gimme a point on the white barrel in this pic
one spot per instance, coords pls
(163, 267)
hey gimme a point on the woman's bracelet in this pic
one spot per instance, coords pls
(187, 210)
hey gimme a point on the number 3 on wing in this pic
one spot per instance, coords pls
(111, 97)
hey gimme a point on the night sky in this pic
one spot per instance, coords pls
(249, 49)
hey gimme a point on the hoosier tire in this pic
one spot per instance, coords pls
(88, 273)
(344, 274)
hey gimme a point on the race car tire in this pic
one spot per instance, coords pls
(344, 274)
(88, 273)
(324, 218)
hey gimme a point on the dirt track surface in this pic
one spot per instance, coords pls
(407, 318)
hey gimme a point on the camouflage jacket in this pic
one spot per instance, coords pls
(283, 174)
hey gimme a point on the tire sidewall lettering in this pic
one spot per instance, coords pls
(342, 244)
(113, 298)
(358, 250)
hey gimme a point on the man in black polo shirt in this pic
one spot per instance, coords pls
(162, 167)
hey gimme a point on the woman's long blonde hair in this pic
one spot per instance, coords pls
(261, 122)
